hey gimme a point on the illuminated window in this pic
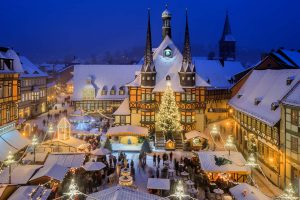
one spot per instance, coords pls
(294, 117)
(294, 144)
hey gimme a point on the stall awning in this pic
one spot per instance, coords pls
(93, 166)
(127, 130)
(158, 183)
(67, 160)
(194, 134)
(55, 171)
(233, 163)
(245, 191)
(100, 152)
(19, 174)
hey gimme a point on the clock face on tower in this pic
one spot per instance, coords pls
(168, 52)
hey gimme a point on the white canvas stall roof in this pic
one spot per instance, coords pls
(53, 171)
(245, 191)
(158, 183)
(194, 134)
(123, 108)
(12, 141)
(261, 84)
(103, 76)
(93, 166)
(127, 130)
(100, 152)
(122, 193)
(66, 160)
(19, 174)
(293, 98)
(77, 113)
(217, 74)
(72, 142)
(208, 163)
(23, 193)
(39, 157)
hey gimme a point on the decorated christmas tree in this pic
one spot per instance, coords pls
(168, 119)
(146, 147)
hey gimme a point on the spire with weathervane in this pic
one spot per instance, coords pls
(166, 18)
(187, 71)
(148, 72)
(227, 42)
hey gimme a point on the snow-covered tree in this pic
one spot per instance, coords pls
(146, 147)
(168, 119)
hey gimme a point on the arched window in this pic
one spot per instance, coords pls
(104, 90)
(168, 78)
(122, 90)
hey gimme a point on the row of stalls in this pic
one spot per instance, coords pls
(38, 180)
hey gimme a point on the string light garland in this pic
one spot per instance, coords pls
(289, 193)
(179, 192)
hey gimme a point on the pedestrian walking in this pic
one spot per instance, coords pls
(154, 159)
(171, 156)
(158, 160)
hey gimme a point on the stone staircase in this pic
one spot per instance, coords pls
(160, 141)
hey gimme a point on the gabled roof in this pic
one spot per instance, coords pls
(55, 171)
(122, 193)
(30, 70)
(123, 108)
(19, 174)
(293, 97)
(268, 85)
(24, 192)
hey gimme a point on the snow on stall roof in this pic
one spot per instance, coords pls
(158, 183)
(208, 163)
(103, 76)
(122, 193)
(293, 98)
(54, 171)
(244, 191)
(69, 160)
(123, 108)
(20, 174)
(127, 130)
(93, 166)
(39, 157)
(30, 69)
(23, 193)
(72, 142)
(271, 86)
(193, 134)
(217, 74)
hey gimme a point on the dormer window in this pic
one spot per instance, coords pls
(113, 91)
(168, 78)
(168, 52)
(122, 90)
(104, 90)
(289, 80)
(274, 105)
(239, 96)
(257, 100)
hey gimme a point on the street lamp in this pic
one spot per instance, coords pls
(34, 142)
(9, 161)
(229, 143)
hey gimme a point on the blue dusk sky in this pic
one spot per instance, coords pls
(46, 30)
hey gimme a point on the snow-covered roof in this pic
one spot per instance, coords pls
(158, 183)
(103, 77)
(39, 157)
(72, 142)
(53, 171)
(19, 174)
(293, 98)
(294, 56)
(49, 67)
(127, 130)
(269, 86)
(245, 191)
(100, 151)
(215, 73)
(8, 53)
(193, 134)
(12, 141)
(237, 165)
(123, 108)
(36, 192)
(93, 166)
(29, 69)
(74, 160)
(122, 193)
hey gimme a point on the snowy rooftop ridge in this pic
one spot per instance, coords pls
(272, 86)
(29, 69)
(8, 53)
(123, 108)
(293, 97)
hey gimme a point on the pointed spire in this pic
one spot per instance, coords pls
(227, 28)
(187, 57)
(148, 50)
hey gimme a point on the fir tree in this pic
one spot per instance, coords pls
(168, 119)
(107, 145)
(146, 147)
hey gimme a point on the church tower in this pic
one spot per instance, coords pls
(148, 72)
(166, 18)
(227, 43)
(187, 71)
